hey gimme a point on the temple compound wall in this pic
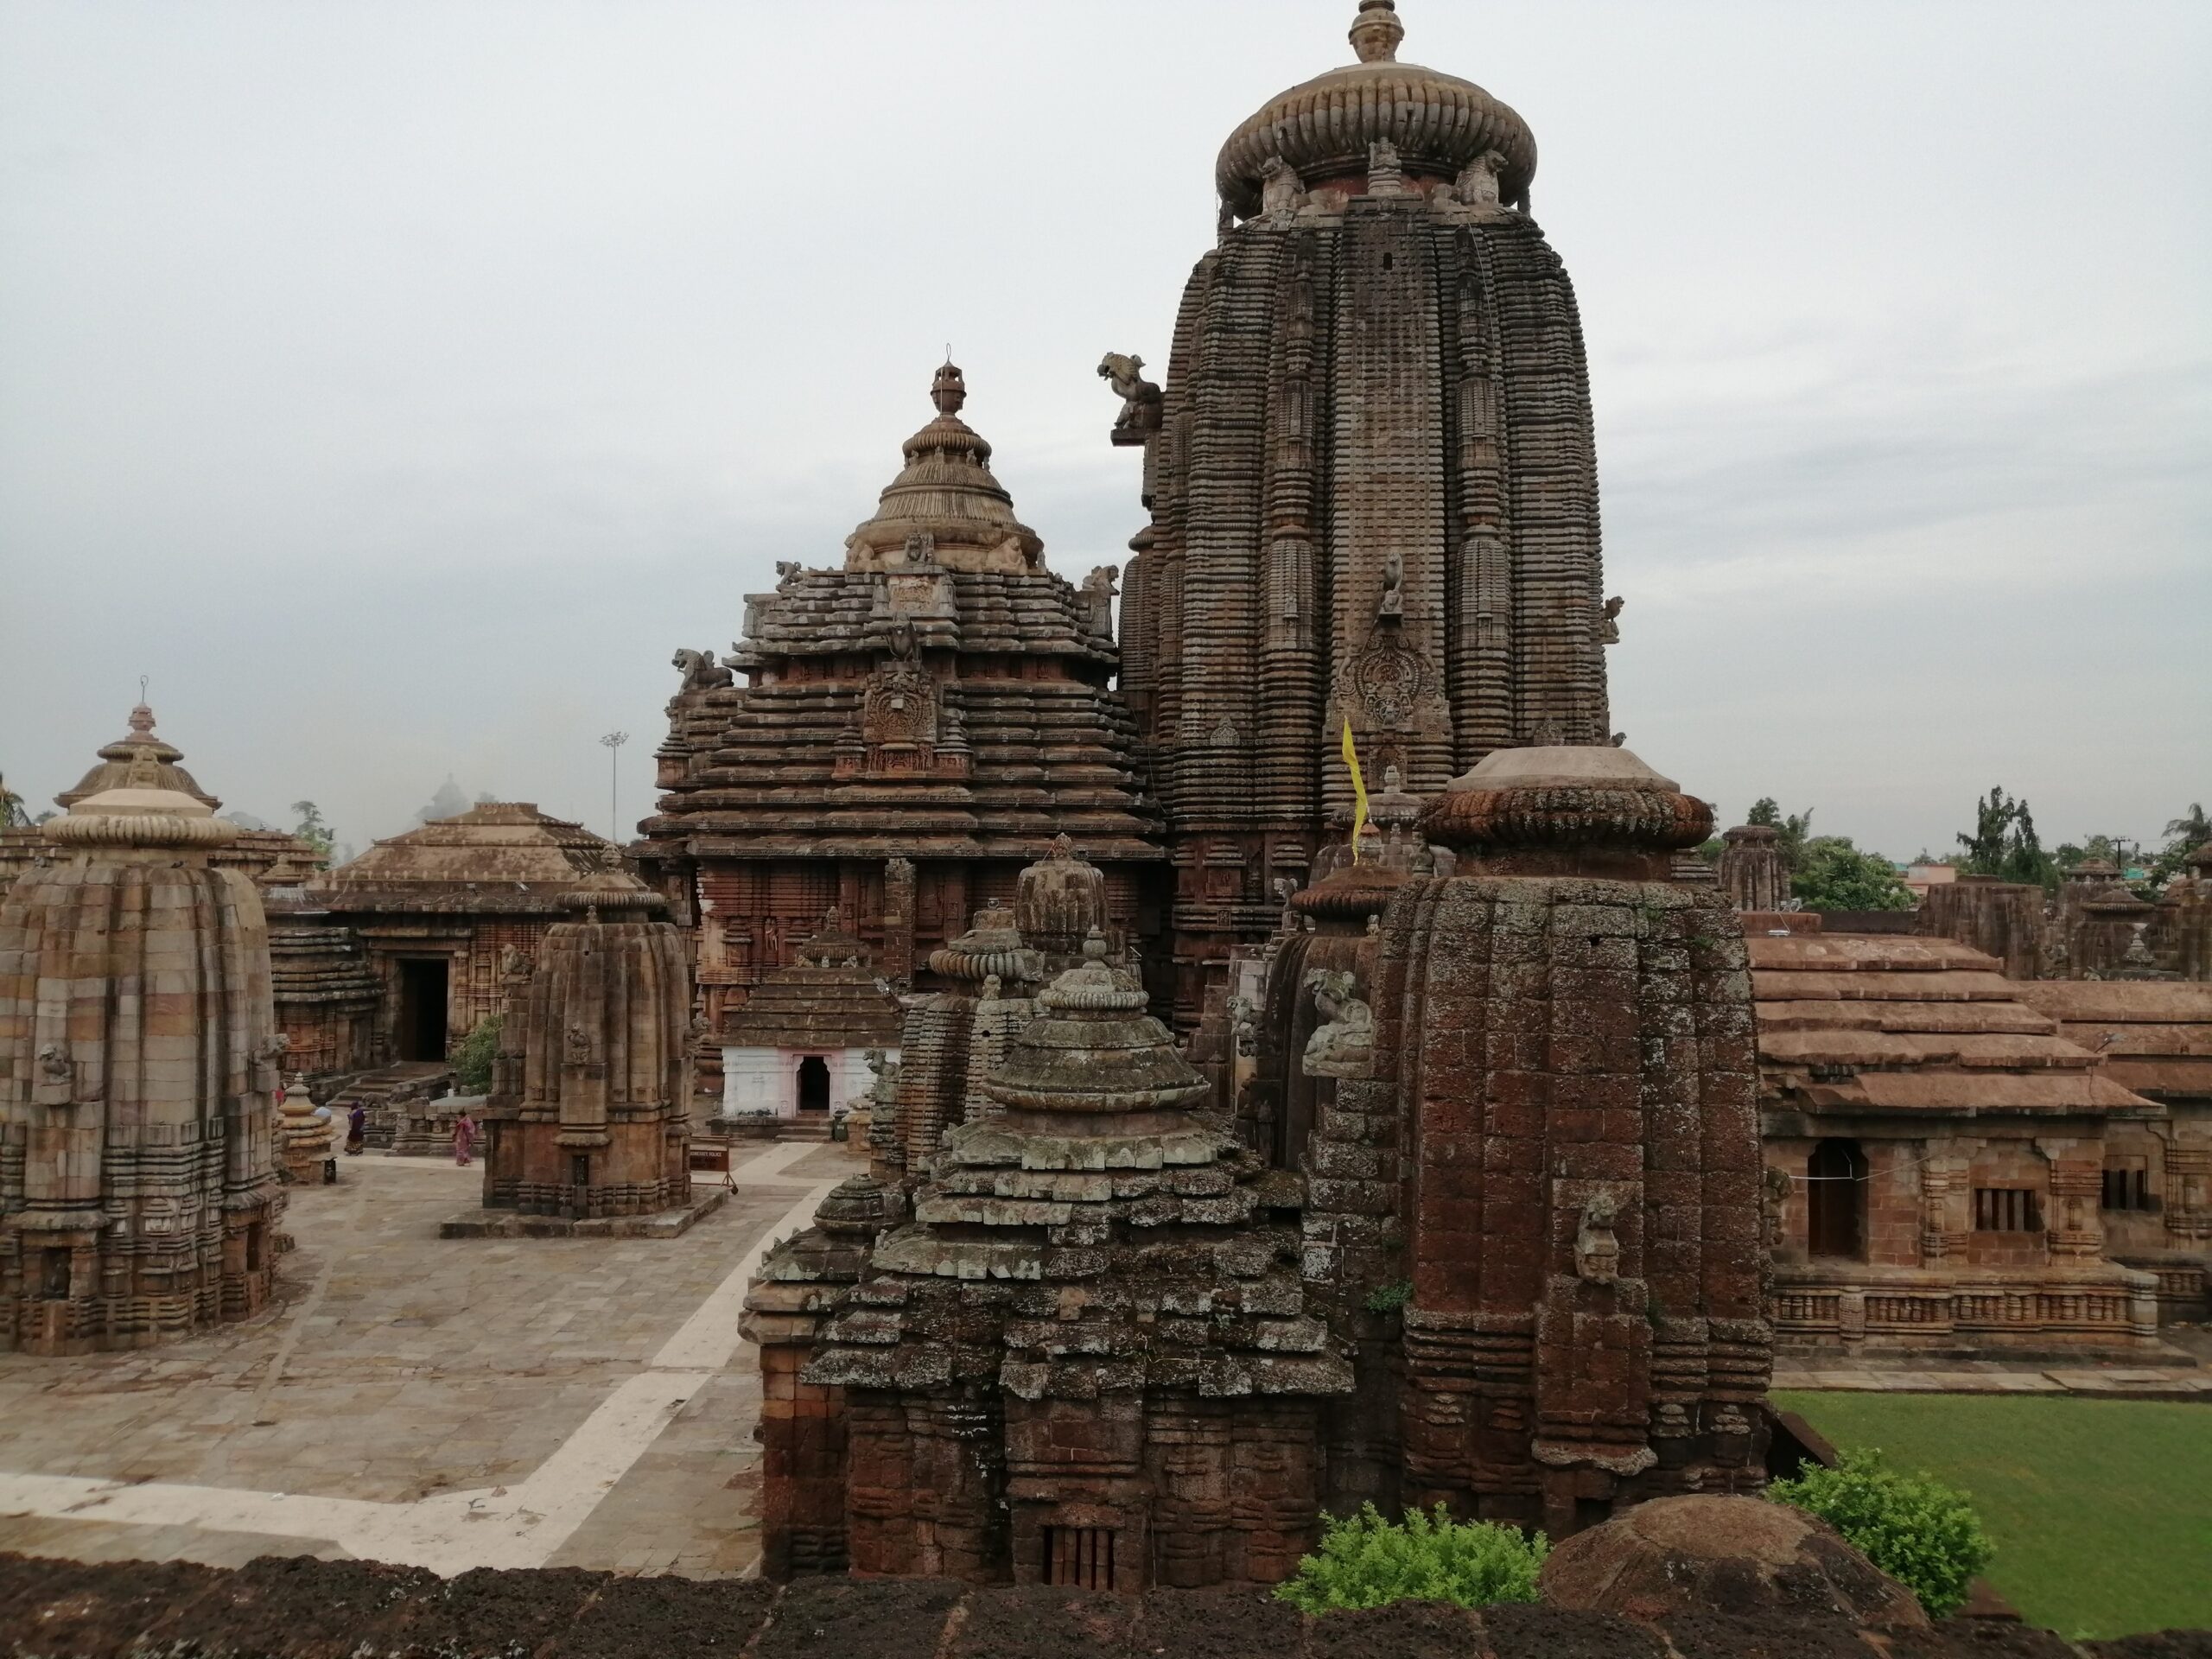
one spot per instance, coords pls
(912, 729)
(138, 1075)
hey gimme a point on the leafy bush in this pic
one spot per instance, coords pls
(1365, 1561)
(1919, 1531)
(1388, 1299)
(472, 1058)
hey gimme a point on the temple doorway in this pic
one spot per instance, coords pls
(814, 1084)
(1835, 1200)
(422, 1008)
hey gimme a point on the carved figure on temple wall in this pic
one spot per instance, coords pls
(1098, 590)
(1342, 1045)
(1476, 186)
(700, 670)
(1394, 584)
(1609, 626)
(1282, 193)
(1140, 398)
(54, 1064)
(1385, 175)
(1597, 1247)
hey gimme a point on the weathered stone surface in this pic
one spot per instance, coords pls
(1737, 1555)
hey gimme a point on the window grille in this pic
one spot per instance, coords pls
(1079, 1557)
(2128, 1187)
(2006, 1209)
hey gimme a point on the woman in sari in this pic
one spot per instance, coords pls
(357, 1129)
(464, 1137)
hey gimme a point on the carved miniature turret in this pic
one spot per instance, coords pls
(598, 1123)
(1033, 1306)
(1582, 1197)
(1752, 871)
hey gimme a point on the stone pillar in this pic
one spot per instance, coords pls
(899, 921)
(1751, 871)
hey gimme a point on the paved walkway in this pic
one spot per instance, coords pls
(448, 1403)
(2143, 1382)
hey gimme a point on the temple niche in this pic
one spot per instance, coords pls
(1371, 481)
(892, 740)
(138, 1073)
(588, 1126)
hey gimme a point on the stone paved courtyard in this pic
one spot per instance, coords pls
(450, 1402)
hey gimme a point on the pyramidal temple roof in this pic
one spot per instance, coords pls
(498, 855)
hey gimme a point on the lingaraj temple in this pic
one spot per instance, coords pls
(1237, 1149)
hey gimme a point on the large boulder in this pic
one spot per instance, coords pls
(1736, 1555)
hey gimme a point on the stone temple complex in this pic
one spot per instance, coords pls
(1371, 480)
(138, 1070)
(914, 726)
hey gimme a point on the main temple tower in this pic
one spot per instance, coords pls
(1372, 483)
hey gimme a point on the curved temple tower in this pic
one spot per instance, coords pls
(139, 1058)
(1371, 478)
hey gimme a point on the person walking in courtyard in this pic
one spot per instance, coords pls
(464, 1137)
(357, 1129)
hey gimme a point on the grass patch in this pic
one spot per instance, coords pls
(2102, 1509)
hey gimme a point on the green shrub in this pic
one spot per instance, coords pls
(472, 1057)
(1388, 1299)
(1365, 1561)
(1919, 1531)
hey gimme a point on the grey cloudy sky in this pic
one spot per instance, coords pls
(396, 384)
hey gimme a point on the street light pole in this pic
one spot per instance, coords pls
(613, 740)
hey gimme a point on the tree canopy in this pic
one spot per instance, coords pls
(311, 828)
(1832, 875)
(2004, 843)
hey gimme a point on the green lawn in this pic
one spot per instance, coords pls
(2102, 1509)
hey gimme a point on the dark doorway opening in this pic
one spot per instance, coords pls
(422, 1008)
(1835, 1200)
(814, 1084)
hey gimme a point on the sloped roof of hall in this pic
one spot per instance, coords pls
(2154, 1037)
(1895, 1023)
(497, 856)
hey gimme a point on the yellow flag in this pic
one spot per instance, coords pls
(1358, 791)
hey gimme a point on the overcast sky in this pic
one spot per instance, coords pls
(396, 386)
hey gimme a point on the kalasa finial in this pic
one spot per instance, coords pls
(1377, 31)
(948, 391)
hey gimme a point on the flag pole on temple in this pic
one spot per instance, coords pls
(1358, 791)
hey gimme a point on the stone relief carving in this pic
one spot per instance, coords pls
(1342, 1045)
(1609, 625)
(1385, 176)
(1140, 398)
(1394, 585)
(579, 1043)
(54, 1063)
(1098, 590)
(1282, 193)
(1597, 1247)
(1388, 676)
(1477, 185)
